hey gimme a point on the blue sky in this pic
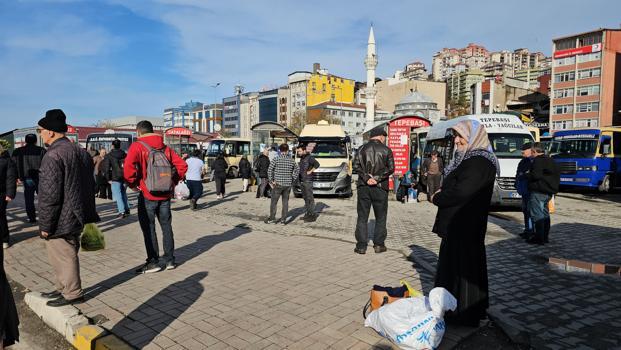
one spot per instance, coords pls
(98, 59)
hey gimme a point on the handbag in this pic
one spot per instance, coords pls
(380, 296)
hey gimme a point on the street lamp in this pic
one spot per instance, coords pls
(215, 103)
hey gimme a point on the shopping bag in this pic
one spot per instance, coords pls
(92, 239)
(182, 191)
(414, 323)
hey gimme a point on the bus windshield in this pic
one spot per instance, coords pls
(215, 147)
(509, 145)
(577, 148)
(327, 149)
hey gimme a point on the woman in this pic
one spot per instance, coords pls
(9, 333)
(245, 170)
(194, 178)
(103, 186)
(463, 202)
(220, 167)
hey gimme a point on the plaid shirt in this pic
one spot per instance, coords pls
(283, 170)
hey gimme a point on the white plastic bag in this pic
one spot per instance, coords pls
(182, 191)
(414, 323)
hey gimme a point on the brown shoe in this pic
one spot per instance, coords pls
(379, 248)
(360, 250)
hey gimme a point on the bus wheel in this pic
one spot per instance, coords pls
(605, 186)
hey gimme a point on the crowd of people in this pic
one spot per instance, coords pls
(67, 179)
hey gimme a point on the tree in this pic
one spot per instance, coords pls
(298, 120)
(4, 145)
(107, 124)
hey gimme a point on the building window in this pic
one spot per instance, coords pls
(563, 109)
(566, 44)
(586, 123)
(323, 87)
(562, 124)
(561, 93)
(593, 56)
(589, 73)
(587, 107)
(587, 90)
(565, 76)
(564, 61)
(590, 39)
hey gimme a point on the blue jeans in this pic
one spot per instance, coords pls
(196, 188)
(538, 206)
(528, 223)
(119, 193)
(31, 186)
(148, 210)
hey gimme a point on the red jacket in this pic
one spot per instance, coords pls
(136, 163)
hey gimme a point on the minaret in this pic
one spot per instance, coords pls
(370, 62)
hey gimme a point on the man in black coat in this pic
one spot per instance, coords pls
(8, 184)
(28, 160)
(112, 170)
(66, 204)
(543, 182)
(374, 165)
(261, 165)
(308, 164)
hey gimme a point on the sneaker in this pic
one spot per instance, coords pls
(171, 265)
(5, 245)
(120, 215)
(149, 268)
(379, 248)
(360, 250)
(270, 221)
(282, 222)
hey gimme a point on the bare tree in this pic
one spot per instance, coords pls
(108, 124)
(298, 120)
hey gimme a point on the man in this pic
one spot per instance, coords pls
(112, 170)
(261, 166)
(374, 165)
(170, 169)
(66, 204)
(28, 159)
(308, 164)
(8, 184)
(281, 173)
(432, 171)
(521, 185)
(543, 182)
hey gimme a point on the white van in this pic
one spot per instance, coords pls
(507, 133)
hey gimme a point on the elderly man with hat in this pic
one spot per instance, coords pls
(374, 165)
(66, 203)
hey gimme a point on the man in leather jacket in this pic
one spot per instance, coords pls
(374, 165)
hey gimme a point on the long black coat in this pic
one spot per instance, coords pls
(66, 190)
(261, 165)
(8, 312)
(8, 176)
(463, 205)
(220, 167)
(245, 170)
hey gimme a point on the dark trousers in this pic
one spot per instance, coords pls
(196, 188)
(148, 210)
(539, 213)
(376, 197)
(31, 186)
(309, 199)
(4, 225)
(262, 187)
(104, 188)
(528, 223)
(220, 185)
(277, 192)
(433, 184)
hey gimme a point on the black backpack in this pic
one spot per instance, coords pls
(116, 169)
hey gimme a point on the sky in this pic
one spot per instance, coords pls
(100, 59)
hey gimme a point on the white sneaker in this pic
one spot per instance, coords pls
(5, 245)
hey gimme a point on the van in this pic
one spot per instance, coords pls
(507, 133)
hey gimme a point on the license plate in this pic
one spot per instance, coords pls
(515, 195)
(567, 179)
(322, 185)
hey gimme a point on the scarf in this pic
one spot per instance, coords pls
(478, 145)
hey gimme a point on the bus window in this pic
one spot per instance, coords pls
(604, 147)
(215, 147)
(243, 148)
(616, 144)
(229, 149)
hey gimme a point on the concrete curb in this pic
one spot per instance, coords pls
(74, 326)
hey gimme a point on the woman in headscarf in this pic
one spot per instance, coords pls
(463, 202)
(220, 167)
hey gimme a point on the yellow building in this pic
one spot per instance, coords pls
(329, 88)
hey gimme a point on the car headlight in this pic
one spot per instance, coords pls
(344, 171)
(594, 168)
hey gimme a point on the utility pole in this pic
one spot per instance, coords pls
(215, 104)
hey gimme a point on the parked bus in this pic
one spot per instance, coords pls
(233, 150)
(590, 157)
(332, 149)
(99, 141)
(506, 133)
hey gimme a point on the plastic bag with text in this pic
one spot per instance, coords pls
(414, 323)
(182, 191)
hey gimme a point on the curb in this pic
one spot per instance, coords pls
(74, 326)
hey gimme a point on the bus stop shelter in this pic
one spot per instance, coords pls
(266, 134)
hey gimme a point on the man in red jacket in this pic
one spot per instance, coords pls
(152, 205)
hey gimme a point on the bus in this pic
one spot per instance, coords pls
(233, 150)
(104, 140)
(589, 157)
(506, 133)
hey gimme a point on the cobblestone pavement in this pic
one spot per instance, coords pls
(246, 284)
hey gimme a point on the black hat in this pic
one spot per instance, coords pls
(526, 146)
(378, 132)
(54, 120)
